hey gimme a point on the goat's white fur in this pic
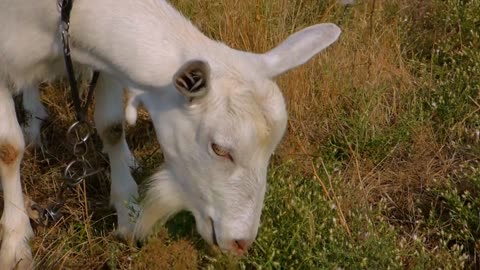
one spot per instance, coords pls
(36, 114)
(141, 45)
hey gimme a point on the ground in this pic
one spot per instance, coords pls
(379, 168)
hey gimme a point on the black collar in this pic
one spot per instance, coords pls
(80, 111)
(65, 9)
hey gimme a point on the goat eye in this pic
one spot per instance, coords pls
(220, 151)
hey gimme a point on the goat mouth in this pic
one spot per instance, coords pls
(214, 235)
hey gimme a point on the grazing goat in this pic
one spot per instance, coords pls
(217, 112)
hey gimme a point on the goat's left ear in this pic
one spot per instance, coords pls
(193, 79)
(298, 48)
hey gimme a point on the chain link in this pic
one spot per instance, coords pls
(75, 173)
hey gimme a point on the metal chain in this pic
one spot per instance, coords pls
(77, 134)
(75, 173)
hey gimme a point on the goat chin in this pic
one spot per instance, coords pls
(162, 199)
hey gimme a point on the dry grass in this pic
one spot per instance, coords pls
(354, 128)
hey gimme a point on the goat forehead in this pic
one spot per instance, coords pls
(245, 114)
(241, 120)
(253, 99)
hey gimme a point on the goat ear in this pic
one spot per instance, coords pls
(193, 79)
(299, 48)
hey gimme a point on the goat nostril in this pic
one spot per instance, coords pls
(240, 246)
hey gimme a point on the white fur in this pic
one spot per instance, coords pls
(123, 191)
(15, 224)
(141, 45)
(36, 114)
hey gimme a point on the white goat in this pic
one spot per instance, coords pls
(217, 112)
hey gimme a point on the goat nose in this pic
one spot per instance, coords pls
(240, 246)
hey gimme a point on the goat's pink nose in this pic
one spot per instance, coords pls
(240, 246)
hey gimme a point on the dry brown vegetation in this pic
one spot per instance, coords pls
(356, 130)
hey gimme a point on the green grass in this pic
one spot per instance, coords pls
(301, 229)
